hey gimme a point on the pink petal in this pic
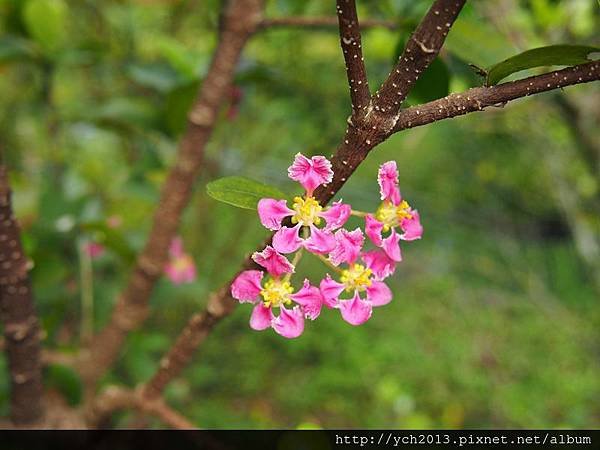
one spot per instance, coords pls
(176, 247)
(275, 263)
(261, 317)
(356, 311)
(310, 173)
(388, 182)
(286, 240)
(391, 245)
(290, 323)
(379, 294)
(246, 287)
(347, 246)
(320, 241)
(181, 269)
(373, 229)
(311, 300)
(380, 263)
(330, 290)
(271, 212)
(336, 215)
(93, 249)
(412, 227)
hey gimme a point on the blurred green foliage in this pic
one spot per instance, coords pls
(495, 319)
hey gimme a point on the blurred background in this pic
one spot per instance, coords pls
(495, 316)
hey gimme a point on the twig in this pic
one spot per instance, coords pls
(19, 317)
(421, 49)
(116, 398)
(240, 21)
(323, 23)
(477, 99)
(350, 42)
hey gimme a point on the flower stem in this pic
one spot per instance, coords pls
(328, 263)
(295, 261)
(358, 213)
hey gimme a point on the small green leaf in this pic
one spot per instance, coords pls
(66, 381)
(241, 192)
(553, 55)
(46, 23)
(178, 104)
(14, 49)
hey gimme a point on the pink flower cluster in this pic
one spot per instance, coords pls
(359, 283)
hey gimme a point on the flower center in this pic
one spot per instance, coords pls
(307, 211)
(391, 215)
(357, 277)
(183, 263)
(276, 293)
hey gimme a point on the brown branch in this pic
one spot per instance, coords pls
(350, 41)
(240, 21)
(116, 398)
(421, 49)
(477, 99)
(322, 23)
(19, 317)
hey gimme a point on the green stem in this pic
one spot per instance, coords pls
(87, 294)
(295, 261)
(328, 263)
(359, 213)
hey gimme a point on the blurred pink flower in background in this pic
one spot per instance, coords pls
(114, 221)
(93, 249)
(180, 268)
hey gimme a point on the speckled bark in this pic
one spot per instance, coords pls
(239, 22)
(19, 318)
(421, 49)
(350, 42)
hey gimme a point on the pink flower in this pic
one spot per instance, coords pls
(310, 173)
(181, 267)
(93, 249)
(347, 246)
(367, 292)
(276, 292)
(393, 213)
(306, 212)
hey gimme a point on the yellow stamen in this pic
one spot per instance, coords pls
(357, 277)
(276, 292)
(391, 215)
(307, 211)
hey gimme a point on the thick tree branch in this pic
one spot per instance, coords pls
(350, 42)
(240, 21)
(21, 325)
(421, 49)
(322, 23)
(477, 99)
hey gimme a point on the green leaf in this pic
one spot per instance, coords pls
(14, 49)
(66, 381)
(46, 23)
(178, 103)
(553, 55)
(241, 192)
